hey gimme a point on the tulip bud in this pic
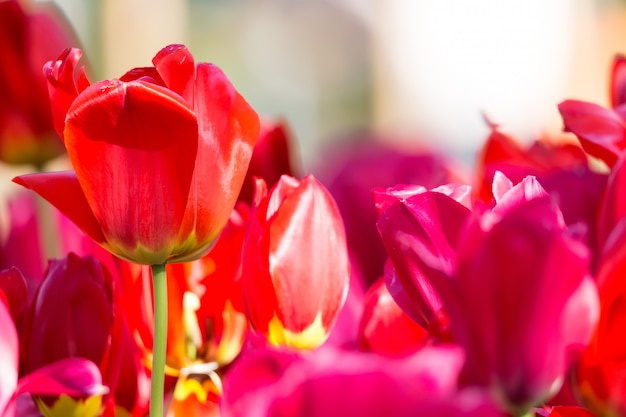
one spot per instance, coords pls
(71, 316)
(295, 263)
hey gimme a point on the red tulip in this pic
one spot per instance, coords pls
(295, 270)
(601, 373)
(29, 35)
(385, 328)
(159, 156)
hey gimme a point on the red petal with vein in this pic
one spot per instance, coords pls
(8, 358)
(133, 146)
(177, 69)
(600, 131)
(228, 129)
(62, 190)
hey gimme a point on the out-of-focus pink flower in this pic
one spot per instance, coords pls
(30, 34)
(332, 382)
(20, 244)
(75, 377)
(385, 328)
(352, 168)
(295, 265)
(271, 158)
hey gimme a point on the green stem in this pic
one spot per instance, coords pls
(159, 346)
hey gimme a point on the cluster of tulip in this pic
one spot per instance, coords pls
(395, 289)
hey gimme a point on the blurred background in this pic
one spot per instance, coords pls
(416, 72)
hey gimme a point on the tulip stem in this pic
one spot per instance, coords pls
(159, 346)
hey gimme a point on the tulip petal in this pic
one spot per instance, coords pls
(618, 81)
(385, 197)
(8, 358)
(526, 190)
(75, 377)
(62, 190)
(62, 84)
(385, 328)
(270, 159)
(304, 214)
(133, 146)
(600, 130)
(176, 67)
(228, 128)
(13, 284)
(613, 204)
(527, 270)
(420, 235)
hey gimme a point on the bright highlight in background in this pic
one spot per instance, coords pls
(441, 64)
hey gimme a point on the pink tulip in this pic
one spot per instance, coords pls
(329, 383)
